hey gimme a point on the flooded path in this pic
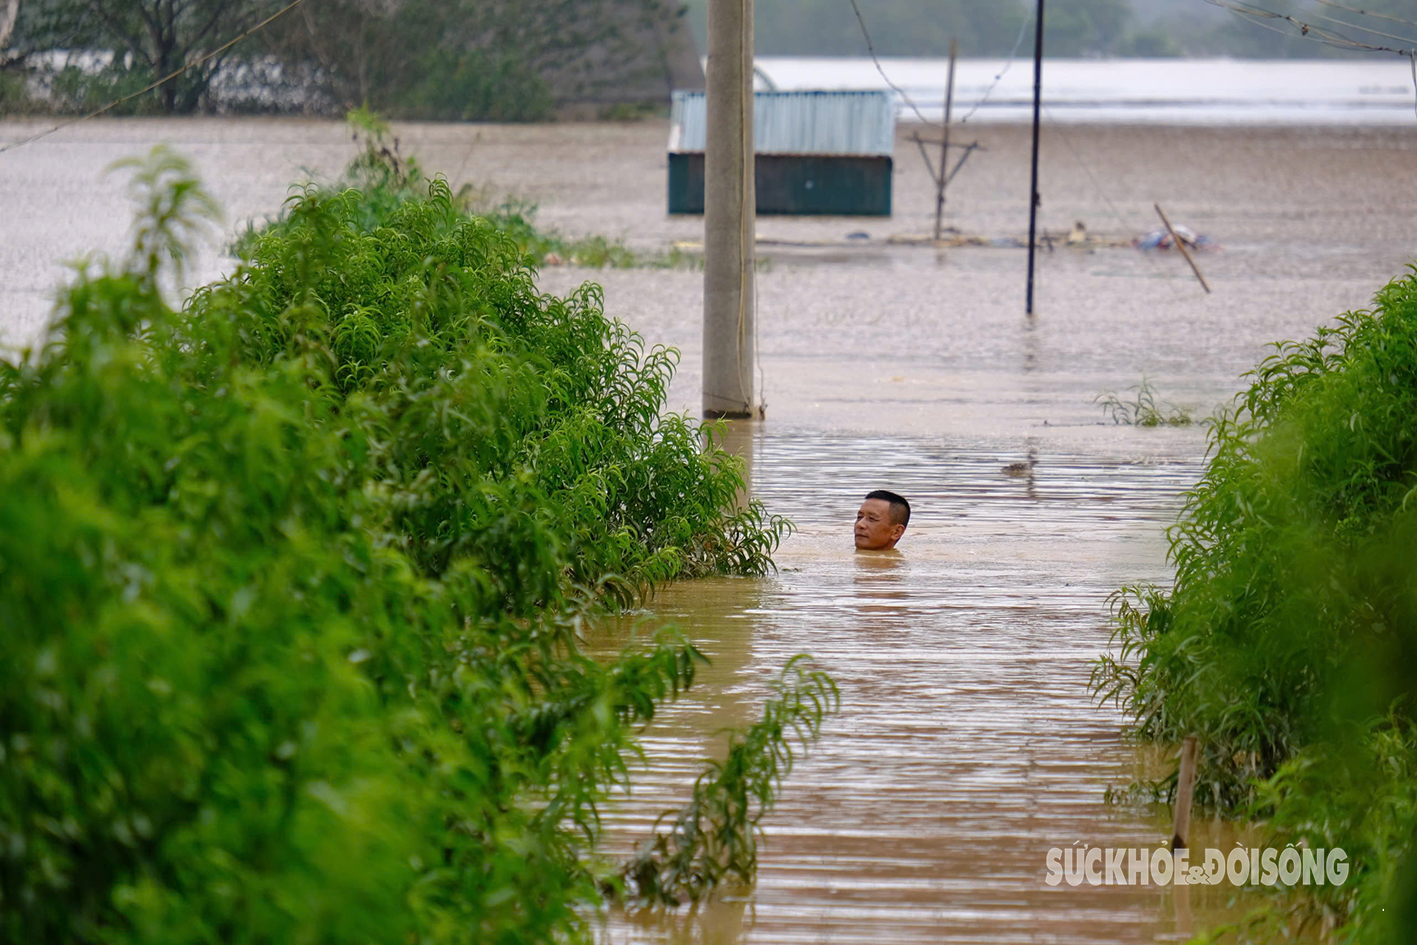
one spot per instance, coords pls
(967, 745)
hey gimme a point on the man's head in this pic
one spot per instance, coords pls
(881, 521)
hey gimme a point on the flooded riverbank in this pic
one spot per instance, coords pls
(967, 745)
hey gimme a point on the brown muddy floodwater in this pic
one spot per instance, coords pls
(967, 745)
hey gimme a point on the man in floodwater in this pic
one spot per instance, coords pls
(881, 521)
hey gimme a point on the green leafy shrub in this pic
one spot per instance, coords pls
(1287, 638)
(714, 836)
(292, 579)
(385, 178)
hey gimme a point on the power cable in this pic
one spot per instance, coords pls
(1023, 28)
(1372, 13)
(905, 97)
(1318, 34)
(143, 91)
(1257, 15)
(1077, 156)
(1368, 29)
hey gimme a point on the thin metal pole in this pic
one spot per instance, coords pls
(1033, 189)
(945, 141)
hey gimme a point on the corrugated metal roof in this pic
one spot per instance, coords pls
(797, 123)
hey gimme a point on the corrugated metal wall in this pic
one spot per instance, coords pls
(795, 184)
(841, 123)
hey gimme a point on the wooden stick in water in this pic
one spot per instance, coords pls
(1181, 245)
(1185, 788)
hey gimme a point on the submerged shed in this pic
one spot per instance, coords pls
(815, 152)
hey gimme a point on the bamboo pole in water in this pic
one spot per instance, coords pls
(730, 212)
(1185, 789)
(1181, 245)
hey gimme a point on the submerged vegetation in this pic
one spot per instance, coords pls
(292, 580)
(1143, 410)
(715, 836)
(1288, 640)
(387, 177)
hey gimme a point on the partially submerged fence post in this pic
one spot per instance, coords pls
(1185, 788)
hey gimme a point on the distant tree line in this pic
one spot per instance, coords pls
(1073, 28)
(518, 60)
(446, 59)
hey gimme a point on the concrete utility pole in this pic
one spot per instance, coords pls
(730, 212)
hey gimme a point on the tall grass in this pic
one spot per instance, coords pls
(292, 579)
(1287, 639)
(1143, 409)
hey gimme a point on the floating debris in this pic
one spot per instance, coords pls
(1024, 468)
(1161, 239)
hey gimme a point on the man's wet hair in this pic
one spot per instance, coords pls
(900, 509)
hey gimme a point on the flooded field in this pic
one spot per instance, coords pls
(966, 746)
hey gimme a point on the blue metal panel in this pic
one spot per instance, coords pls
(837, 123)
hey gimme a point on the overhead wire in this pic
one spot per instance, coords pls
(1097, 185)
(1327, 37)
(1368, 29)
(1013, 53)
(1373, 13)
(1319, 34)
(871, 51)
(1249, 11)
(905, 96)
(1256, 14)
(148, 88)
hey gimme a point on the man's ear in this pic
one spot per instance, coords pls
(896, 532)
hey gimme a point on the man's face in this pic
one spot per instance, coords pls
(874, 529)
